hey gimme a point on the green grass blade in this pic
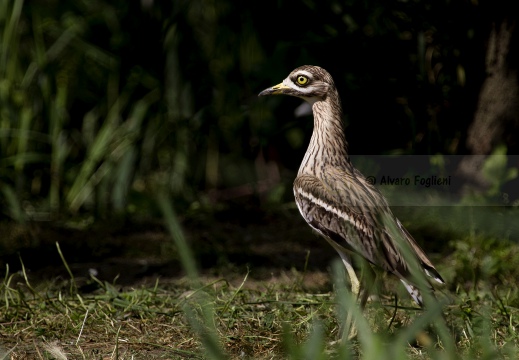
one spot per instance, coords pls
(73, 285)
(313, 349)
(25, 123)
(9, 45)
(175, 230)
(13, 203)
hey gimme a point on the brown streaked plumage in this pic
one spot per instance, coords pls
(336, 199)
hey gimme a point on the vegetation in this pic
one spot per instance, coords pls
(146, 208)
(238, 315)
(104, 103)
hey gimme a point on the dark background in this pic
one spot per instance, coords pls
(105, 104)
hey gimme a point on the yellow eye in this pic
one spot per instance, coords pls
(302, 80)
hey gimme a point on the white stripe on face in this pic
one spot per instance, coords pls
(305, 73)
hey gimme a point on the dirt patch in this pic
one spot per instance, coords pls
(227, 244)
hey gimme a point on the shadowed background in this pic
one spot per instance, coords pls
(105, 105)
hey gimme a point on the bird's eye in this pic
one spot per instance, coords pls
(302, 80)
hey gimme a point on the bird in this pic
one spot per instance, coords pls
(339, 202)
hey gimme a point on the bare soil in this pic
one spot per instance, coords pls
(228, 244)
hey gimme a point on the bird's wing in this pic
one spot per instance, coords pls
(351, 212)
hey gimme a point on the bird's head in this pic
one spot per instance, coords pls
(308, 82)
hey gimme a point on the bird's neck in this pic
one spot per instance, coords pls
(328, 146)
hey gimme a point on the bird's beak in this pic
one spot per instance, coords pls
(274, 90)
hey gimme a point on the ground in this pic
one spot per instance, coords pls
(259, 271)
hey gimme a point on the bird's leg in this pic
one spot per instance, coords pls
(349, 326)
(355, 283)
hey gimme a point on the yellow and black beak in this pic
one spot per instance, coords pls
(275, 90)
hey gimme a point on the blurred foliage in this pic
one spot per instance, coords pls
(489, 261)
(498, 174)
(104, 102)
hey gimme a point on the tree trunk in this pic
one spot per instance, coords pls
(496, 120)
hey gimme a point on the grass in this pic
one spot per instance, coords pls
(163, 321)
(68, 153)
(221, 320)
(236, 314)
